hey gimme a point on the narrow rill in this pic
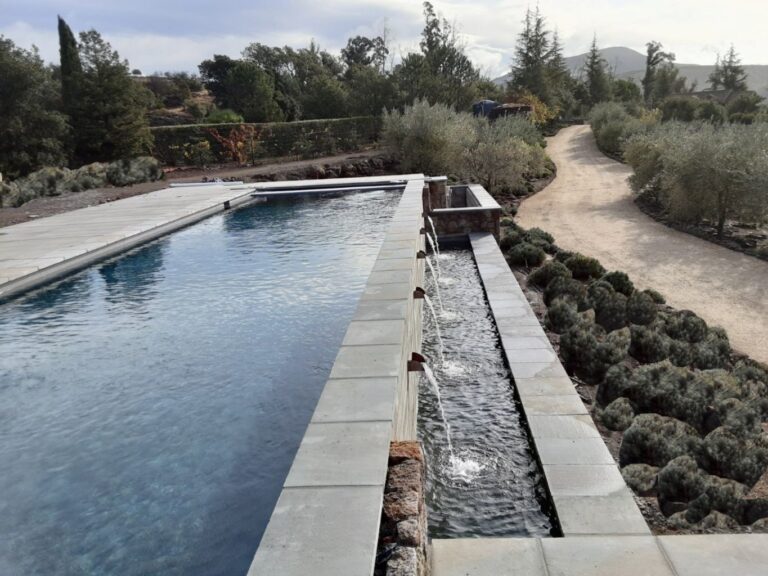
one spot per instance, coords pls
(482, 478)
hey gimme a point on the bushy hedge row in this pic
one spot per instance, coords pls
(612, 126)
(436, 140)
(57, 181)
(689, 409)
(699, 170)
(197, 144)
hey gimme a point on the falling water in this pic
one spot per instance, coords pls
(437, 285)
(437, 329)
(433, 381)
(435, 245)
(436, 251)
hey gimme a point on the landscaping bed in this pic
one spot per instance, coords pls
(685, 417)
(750, 239)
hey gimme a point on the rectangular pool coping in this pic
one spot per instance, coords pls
(588, 491)
(326, 521)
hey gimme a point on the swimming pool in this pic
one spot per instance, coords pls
(151, 406)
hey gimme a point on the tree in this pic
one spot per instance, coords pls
(32, 127)
(598, 83)
(442, 72)
(363, 51)
(71, 69)
(213, 74)
(529, 73)
(251, 92)
(728, 73)
(626, 91)
(668, 82)
(109, 119)
(654, 58)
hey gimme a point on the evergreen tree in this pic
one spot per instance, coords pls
(530, 71)
(654, 58)
(32, 127)
(598, 83)
(559, 81)
(728, 73)
(109, 119)
(71, 69)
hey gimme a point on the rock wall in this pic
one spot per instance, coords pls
(403, 532)
(375, 166)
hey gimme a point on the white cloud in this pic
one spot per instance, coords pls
(694, 29)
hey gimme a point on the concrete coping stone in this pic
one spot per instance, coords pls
(588, 491)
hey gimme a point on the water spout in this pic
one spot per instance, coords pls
(436, 251)
(433, 381)
(434, 231)
(436, 277)
(437, 328)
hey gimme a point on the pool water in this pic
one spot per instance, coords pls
(151, 406)
(491, 484)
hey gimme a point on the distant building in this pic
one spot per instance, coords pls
(724, 96)
(492, 110)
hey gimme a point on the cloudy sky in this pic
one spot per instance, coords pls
(164, 35)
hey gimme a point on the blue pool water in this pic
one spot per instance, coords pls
(150, 406)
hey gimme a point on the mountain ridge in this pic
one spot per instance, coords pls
(629, 64)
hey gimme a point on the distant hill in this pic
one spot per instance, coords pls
(630, 64)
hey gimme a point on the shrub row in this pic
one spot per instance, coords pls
(701, 171)
(56, 181)
(689, 410)
(199, 144)
(436, 140)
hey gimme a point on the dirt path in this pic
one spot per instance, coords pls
(41, 207)
(589, 208)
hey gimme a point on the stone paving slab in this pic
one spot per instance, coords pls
(611, 515)
(605, 556)
(325, 531)
(630, 555)
(356, 400)
(718, 555)
(488, 557)
(341, 454)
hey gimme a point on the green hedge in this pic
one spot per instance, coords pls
(195, 144)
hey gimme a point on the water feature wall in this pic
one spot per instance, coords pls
(460, 210)
(482, 476)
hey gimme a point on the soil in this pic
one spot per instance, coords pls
(589, 208)
(748, 239)
(48, 206)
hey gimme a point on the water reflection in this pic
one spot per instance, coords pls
(156, 443)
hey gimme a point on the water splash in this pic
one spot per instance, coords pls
(433, 381)
(437, 328)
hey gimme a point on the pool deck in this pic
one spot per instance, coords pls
(36, 252)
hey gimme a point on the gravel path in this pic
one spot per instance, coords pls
(589, 208)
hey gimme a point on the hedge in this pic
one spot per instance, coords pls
(247, 142)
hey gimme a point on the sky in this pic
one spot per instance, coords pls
(173, 35)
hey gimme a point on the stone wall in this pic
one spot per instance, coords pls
(478, 211)
(403, 547)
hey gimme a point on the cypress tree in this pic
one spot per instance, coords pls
(71, 68)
